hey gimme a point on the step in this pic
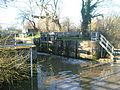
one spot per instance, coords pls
(116, 58)
(116, 52)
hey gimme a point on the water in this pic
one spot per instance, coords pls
(58, 73)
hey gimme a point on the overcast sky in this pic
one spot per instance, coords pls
(69, 8)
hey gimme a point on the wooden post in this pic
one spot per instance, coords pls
(15, 40)
(31, 62)
(101, 54)
(32, 39)
(61, 46)
(76, 48)
(67, 46)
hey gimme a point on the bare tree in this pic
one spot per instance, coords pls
(66, 24)
(4, 3)
(111, 29)
(55, 15)
(26, 16)
(49, 10)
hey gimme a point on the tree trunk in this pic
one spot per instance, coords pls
(84, 29)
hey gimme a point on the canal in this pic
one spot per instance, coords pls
(60, 73)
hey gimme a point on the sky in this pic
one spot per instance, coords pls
(69, 8)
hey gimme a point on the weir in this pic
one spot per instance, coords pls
(63, 81)
(114, 53)
(46, 40)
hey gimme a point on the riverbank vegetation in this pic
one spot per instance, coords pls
(110, 28)
(13, 67)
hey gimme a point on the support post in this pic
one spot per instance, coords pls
(76, 48)
(32, 39)
(31, 67)
(101, 54)
(15, 40)
(31, 62)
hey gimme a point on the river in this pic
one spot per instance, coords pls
(60, 73)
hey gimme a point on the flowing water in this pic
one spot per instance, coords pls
(59, 73)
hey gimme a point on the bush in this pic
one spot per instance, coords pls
(13, 66)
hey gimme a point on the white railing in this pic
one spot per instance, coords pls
(106, 44)
(95, 36)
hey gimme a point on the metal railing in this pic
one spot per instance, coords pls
(26, 38)
(19, 38)
(94, 36)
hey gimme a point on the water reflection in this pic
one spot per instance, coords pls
(90, 79)
(58, 73)
(41, 75)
